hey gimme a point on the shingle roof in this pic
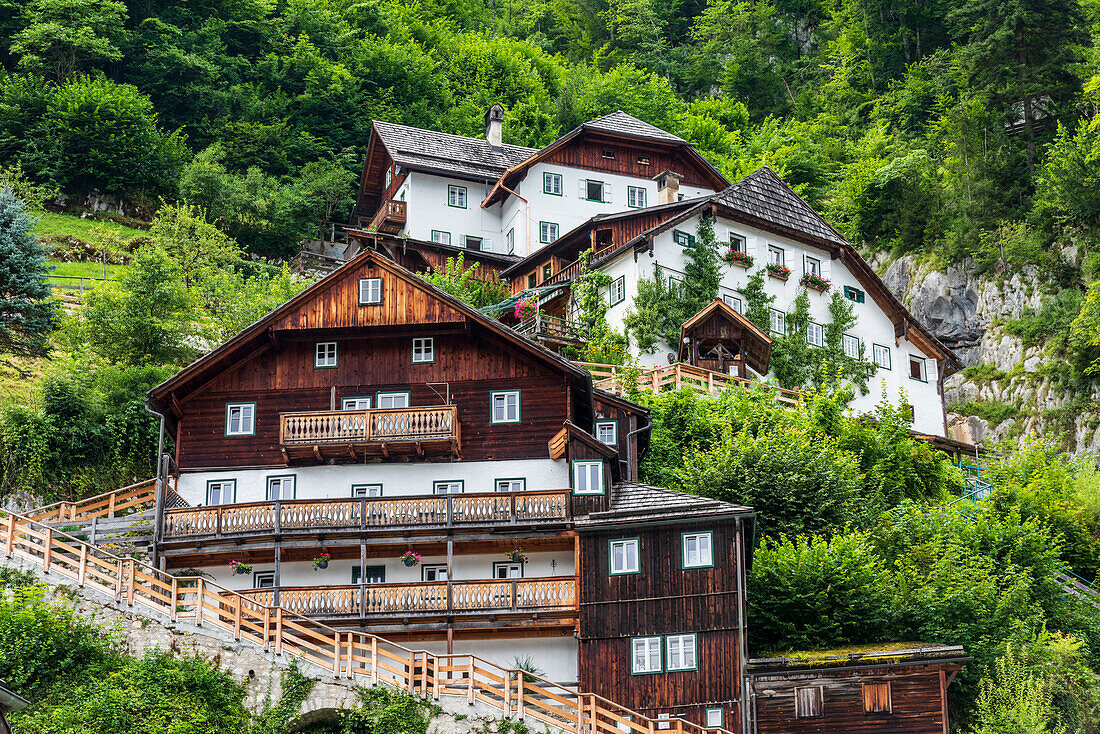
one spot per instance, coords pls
(621, 123)
(765, 196)
(416, 148)
(633, 501)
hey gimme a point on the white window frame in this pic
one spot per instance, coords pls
(850, 344)
(246, 420)
(263, 580)
(325, 355)
(512, 570)
(813, 265)
(922, 363)
(701, 560)
(715, 718)
(356, 403)
(481, 243)
(441, 237)
(423, 350)
(613, 438)
(882, 354)
(510, 240)
(648, 647)
(604, 190)
(626, 544)
(584, 472)
(681, 652)
(733, 302)
(616, 291)
(517, 484)
(778, 321)
(367, 491)
(282, 481)
(390, 395)
(370, 291)
(777, 256)
(439, 570)
(449, 486)
(815, 334)
(509, 412)
(221, 484)
(456, 196)
(548, 232)
(552, 183)
(739, 243)
(635, 197)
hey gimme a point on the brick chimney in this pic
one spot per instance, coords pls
(494, 121)
(668, 187)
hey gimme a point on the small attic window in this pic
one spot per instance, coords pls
(608, 153)
(643, 160)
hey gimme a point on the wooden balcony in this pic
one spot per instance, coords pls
(456, 598)
(551, 329)
(352, 435)
(390, 218)
(289, 517)
(611, 378)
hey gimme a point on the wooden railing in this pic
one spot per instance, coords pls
(550, 327)
(390, 217)
(458, 596)
(366, 426)
(353, 655)
(382, 512)
(610, 377)
(124, 501)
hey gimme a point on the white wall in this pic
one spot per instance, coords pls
(334, 481)
(556, 657)
(428, 209)
(873, 325)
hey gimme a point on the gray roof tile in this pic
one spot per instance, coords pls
(633, 501)
(765, 196)
(621, 123)
(474, 157)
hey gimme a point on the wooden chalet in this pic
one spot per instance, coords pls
(888, 691)
(10, 702)
(721, 340)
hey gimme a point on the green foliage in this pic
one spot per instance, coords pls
(27, 312)
(1014, 699)
(62, 37)
(702, 272)
(1051, 324)
(386, 711)
(994, 411)
(603, 345)
(653, 316)
(793, 357)
(274, 718)
(463, 283)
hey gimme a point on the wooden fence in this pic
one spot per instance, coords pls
(125, 501)
(352, 655)
(611, 377)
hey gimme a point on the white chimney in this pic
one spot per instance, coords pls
(494, 122)
(668, 187)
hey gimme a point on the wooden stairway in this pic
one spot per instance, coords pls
(356, 656)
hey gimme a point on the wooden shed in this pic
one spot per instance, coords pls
(720, 339)
(873, 691)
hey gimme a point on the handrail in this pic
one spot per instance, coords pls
(485, 595)
(306, 428)
(348, 654)
(369, 512)
(609, 377)
(107, 504)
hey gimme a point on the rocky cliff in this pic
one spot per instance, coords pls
(1010, 388)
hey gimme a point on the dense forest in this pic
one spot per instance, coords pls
(956, 132)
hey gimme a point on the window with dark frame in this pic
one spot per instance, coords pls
(373, 575)
(917, 368)
(808, 702)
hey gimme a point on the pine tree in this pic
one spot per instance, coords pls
(27, 312)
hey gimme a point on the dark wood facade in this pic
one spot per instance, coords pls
(722, 340)
(875, 693)
(663, 599)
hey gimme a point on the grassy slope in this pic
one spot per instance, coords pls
(89, 230)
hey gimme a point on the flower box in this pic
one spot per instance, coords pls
(738, 258)
(815, 282)
(779, 272)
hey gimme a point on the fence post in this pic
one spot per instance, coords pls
(435, 679)
(278, 630)
(373, 660)
(470, 684)
(47, 548)
(336, 655)
(11, 535)
(411, 673)
(83, 565)
(118, 580)
(175, 598)
(267, 628)
(198, 603)
(519, 688)
(507, 695)
(132, 585)
(111, 505)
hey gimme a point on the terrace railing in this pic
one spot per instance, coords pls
(367, 426)
(128, 500)
(377, 512)
(512, 595)
(612, 378)
(353, 655)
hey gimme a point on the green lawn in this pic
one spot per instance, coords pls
(88, 230)
(85, 270)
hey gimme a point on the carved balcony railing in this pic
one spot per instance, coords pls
(543, 327)
(457, 597)
(390, 217)
(351, 434)
(425, 512)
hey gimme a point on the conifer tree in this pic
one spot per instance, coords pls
(27, 313)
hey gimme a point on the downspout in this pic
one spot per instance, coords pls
(162, 483)
(527, 223)
(635, 432)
